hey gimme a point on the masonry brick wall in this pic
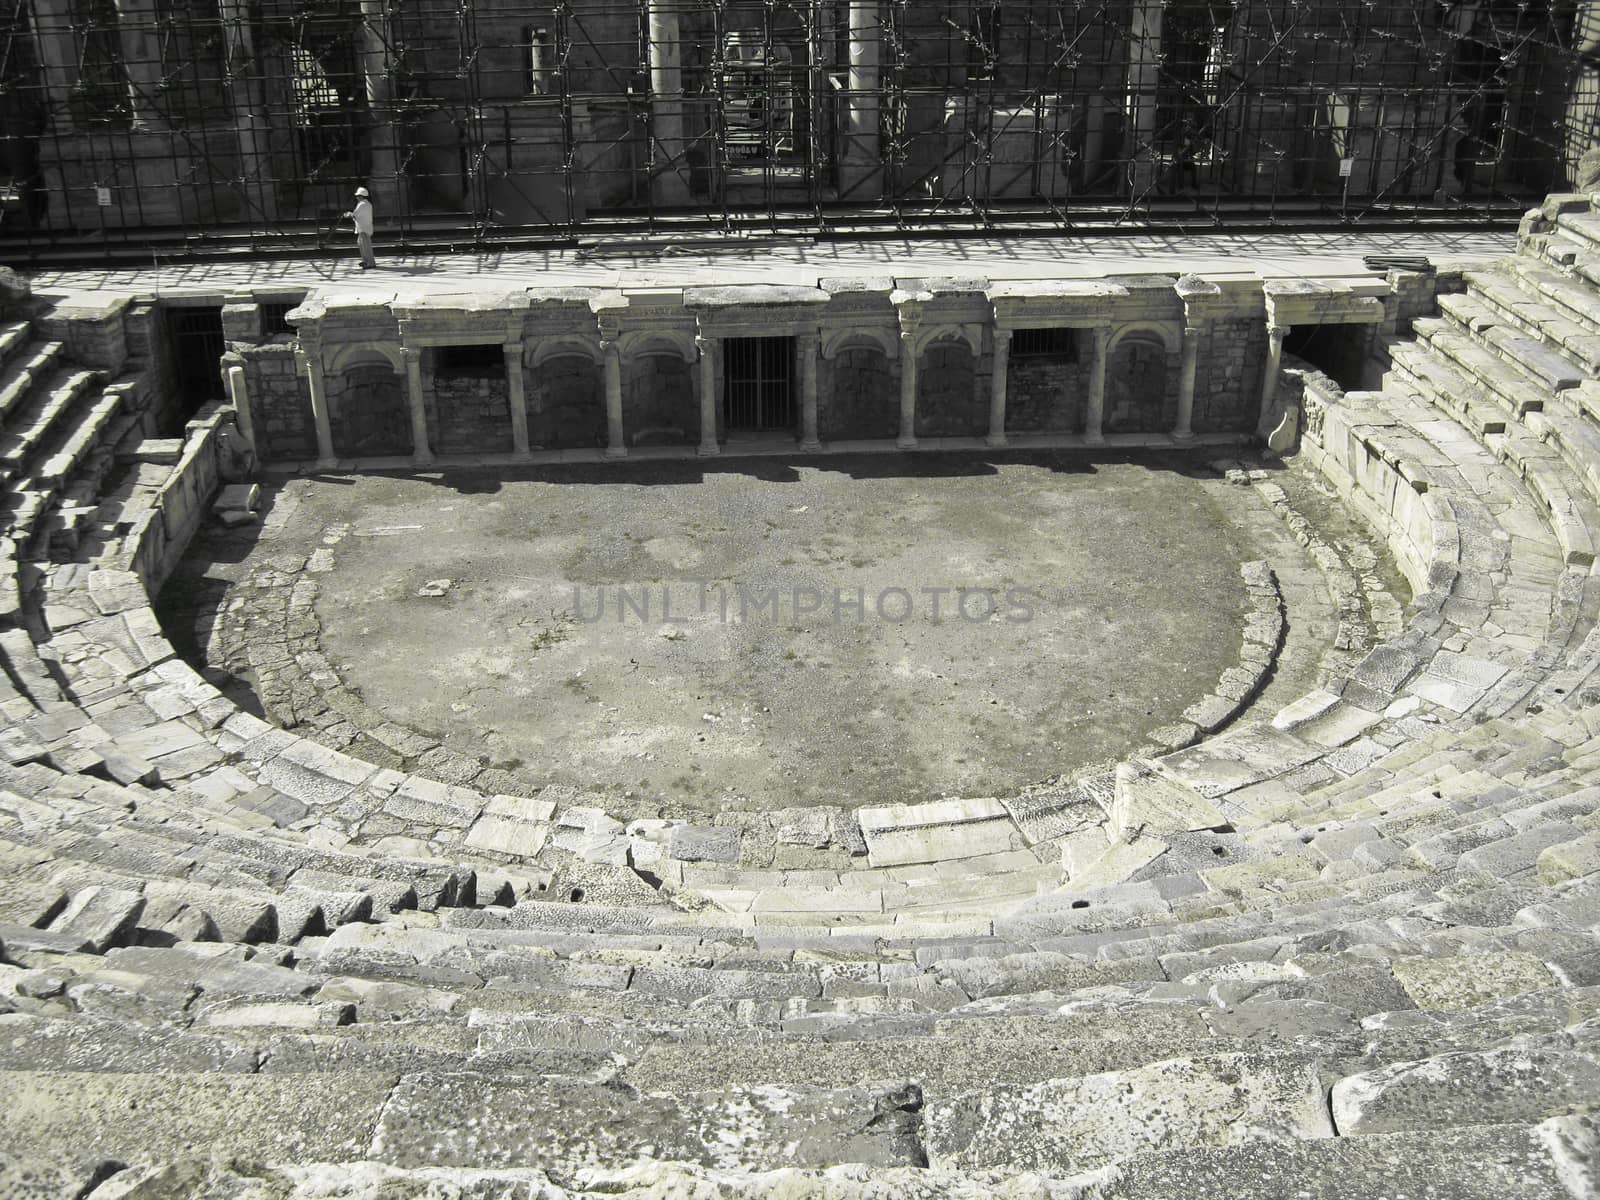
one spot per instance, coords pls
(1227, 389)
(1045, 394)
(469, 414)
(280, 405)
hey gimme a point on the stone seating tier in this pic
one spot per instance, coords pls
(1343, 947)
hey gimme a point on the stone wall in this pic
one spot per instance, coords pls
(91, 329)
(1141, 386)
(659, 398)
(1227, 392)
(181, 503)
(952, 391)
(468, 413)
(1416, 295)
(858, 395)
(1046, 393)
(368, 412)
(1344, 440)
(858, 384)
(280, 405)
(567, 404)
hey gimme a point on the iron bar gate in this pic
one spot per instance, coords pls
(760, 383)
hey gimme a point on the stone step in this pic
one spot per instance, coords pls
(1577, 438)
(14, 336)
(1473, 1163)
(1518, 1084)
(1498, 297)
(1550, 368)
(1572, 515)
(1581, 226)
(438, 884)
(1516, 391)
(1553, 249)
(19, 656)
(54, 397)
(1095, 1120)
(22, 373)
(1437, 381)
(1568, 293)
(79, 440)
(1481, 1162)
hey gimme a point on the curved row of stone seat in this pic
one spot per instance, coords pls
(1358, 1001)
(1395, 924)
(309, 771)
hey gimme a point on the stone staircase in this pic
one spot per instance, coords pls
(1346, 946)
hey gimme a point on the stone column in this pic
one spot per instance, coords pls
(421, 455)
(806, 348)
(1191, 357)
(385, 181)
(309, 360)
(1269, 380)
(670, 184)
(240, 395)
(997, 388)
(1095, 416)
(862, 159)
(1144, 75)
(517, 397)
(908, 391)
(616, 438)
(250, 123)
(141, 61)
(58, 59)
(709, 348)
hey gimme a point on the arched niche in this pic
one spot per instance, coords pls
(857, 396)
(566, 400)
(1141, 381)
(368, 411)
(948, 403)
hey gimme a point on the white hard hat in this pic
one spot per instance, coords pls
(362, 192)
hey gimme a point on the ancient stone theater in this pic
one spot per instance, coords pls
(831, 599)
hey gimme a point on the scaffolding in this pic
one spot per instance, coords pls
(134, 125)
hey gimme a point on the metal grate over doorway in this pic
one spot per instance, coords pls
(760, 374)
(196, 344)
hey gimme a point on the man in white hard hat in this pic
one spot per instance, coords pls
(361, 214)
